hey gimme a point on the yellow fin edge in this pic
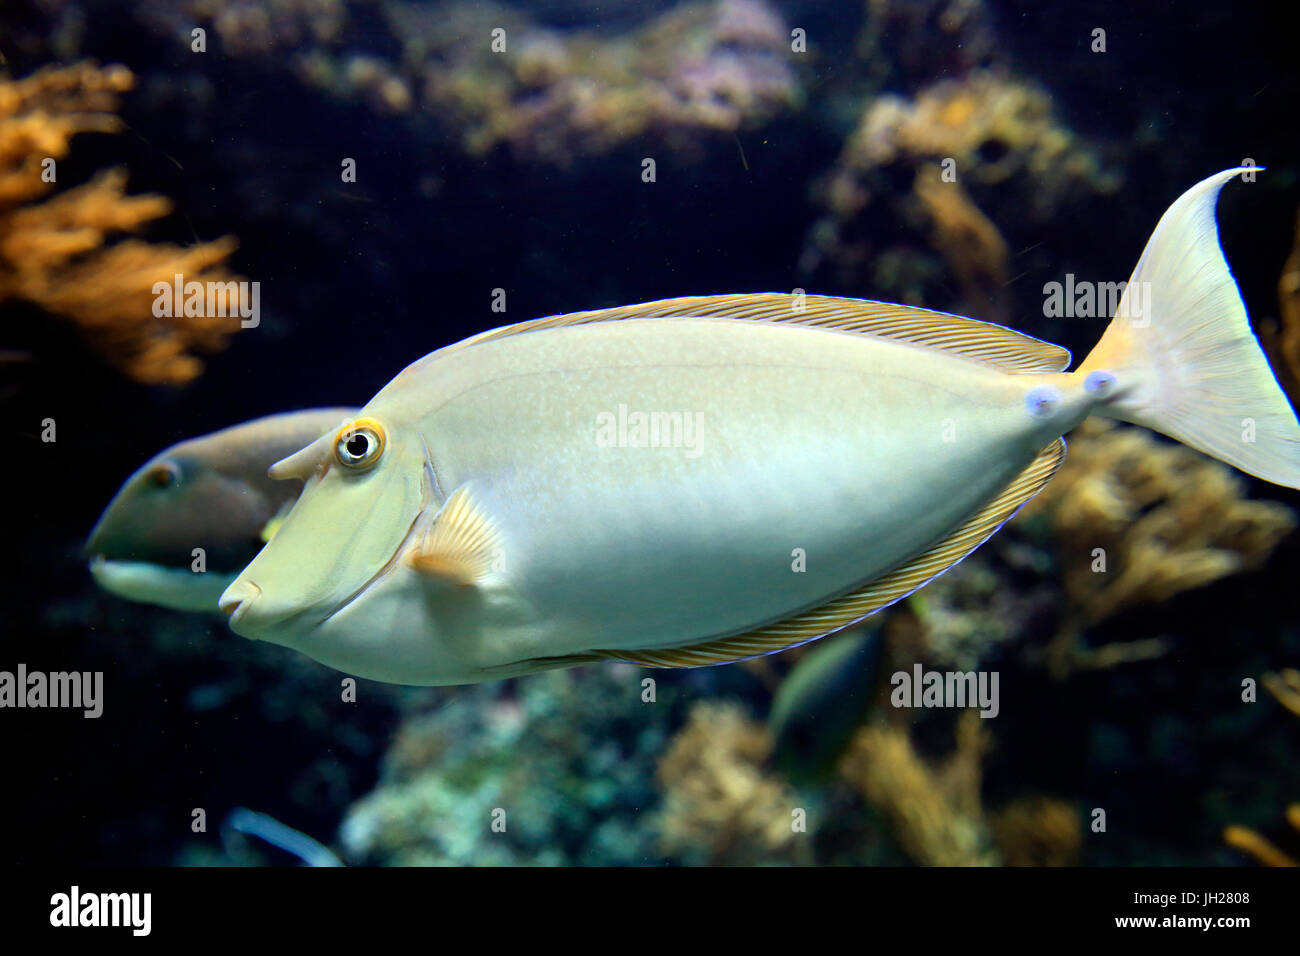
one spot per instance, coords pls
(981, 341)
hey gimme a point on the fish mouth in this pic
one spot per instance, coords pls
(237, 599)
(145, 582)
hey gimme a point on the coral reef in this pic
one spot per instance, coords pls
(1285, 686)
(259, 27)
(968, 241)
(56, 251)
(709, 67)
(934, 812)
(999, 138)
(463, 153)
(1136, 520)
(569, 762)
(720, 805)
(975, 610)
(490, 75)
(1038, 831)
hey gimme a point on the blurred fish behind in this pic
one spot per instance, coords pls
(823, 701)
(210, 492)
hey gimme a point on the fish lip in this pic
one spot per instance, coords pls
(238, 606)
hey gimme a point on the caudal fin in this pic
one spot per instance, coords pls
(1179, 356)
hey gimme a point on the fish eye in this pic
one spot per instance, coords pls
(360, 444)
(164, 475)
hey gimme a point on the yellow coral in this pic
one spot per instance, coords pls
(934, 812)
(967, 239)
(719, 798)
(1038, 831)
(1285, 686)
(994, 126)
(1137, 521)
(53, 252)
(1256, 845)
(1001, 138)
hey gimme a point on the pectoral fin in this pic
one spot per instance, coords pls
(461, 546)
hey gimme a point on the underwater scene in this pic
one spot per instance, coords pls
(650, 433)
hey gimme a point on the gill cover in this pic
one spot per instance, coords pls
(363, 495)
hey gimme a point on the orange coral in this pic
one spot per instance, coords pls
(968, 240)
(53, 251)
(934, 812)
(1038, 831)
(1136, 521)
(720, 805)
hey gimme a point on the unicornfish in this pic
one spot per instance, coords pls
(699, 480)
(210, 493)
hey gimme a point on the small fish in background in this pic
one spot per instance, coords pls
(822, 702)
(700, 480)
(249, 823)
(210, 492)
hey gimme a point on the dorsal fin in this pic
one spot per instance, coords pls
(870, 597)
(982, 341)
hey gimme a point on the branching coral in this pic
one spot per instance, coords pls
(1285, 686)
(1137, 521)
(720, 806)
(1038, 831)
(967, 239)
(992, 134)
(493, 77)
(934, 813)
(53, 251)
(995, 127)
(259, 27)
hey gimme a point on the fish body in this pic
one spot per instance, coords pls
(803, 436)
(699, 480)
(822, 702)
(210, 492)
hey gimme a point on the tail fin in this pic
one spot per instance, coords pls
(1179, 356)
